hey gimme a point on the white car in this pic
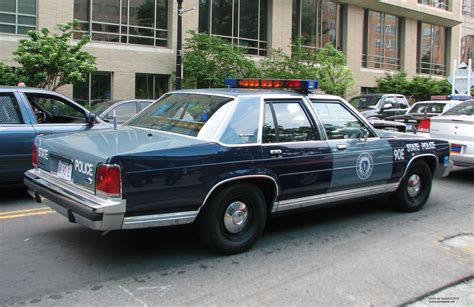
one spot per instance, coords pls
(457, 126)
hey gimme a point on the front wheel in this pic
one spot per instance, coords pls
(414, 189)
(233, 220)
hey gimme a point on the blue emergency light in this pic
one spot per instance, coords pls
(299, 85)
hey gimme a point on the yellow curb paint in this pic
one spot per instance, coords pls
(23, 211)
(4, 217)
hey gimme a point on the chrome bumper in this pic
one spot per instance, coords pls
(77, 205)
(448, 169)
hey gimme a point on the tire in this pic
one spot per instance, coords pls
(414, 189)
(220, 230)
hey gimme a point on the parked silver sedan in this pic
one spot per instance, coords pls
(124, 109)
(457, 126)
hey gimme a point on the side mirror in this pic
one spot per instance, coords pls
(387, 106)
(91, 118)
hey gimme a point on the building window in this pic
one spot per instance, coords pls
(468, 7)
(149, 86)
(241, 22)
(316, 23)
(431, 53)
(440, 4)
(140, 22)
(17, 16)
(467, 48)
(381, 41)
(96, 88)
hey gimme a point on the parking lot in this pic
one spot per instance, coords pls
(358, 254)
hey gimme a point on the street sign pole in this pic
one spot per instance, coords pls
(469, 75)
(455, 66)
(179, 46)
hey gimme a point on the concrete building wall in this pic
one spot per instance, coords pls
(124, 61)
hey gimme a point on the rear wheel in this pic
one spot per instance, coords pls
(233, 219)
(414, 189)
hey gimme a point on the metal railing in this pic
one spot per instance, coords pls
(380, 62)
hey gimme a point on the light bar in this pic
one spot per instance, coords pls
(299, 85)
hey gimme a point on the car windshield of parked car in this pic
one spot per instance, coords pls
(196, 115)
(368, 102)
(421, 108)
(465, 108)
(100, 107)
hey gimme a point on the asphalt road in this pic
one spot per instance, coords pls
(358, 254)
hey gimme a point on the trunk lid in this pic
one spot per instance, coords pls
(74, 157)
(459, 127)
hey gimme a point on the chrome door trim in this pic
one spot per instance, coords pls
(332, 197)
(159, 220)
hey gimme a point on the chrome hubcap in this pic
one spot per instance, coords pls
(236, 217)
(414, 185)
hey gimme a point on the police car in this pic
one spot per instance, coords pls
(228, 159)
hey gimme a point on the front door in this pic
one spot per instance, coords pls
(360, 157)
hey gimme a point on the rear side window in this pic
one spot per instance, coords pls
(286, 121)
(9, 113)
(123, 112)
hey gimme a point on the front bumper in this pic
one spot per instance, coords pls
(76, 204)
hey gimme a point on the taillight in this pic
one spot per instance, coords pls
(107, 180)
(34, 156)
(424, 125)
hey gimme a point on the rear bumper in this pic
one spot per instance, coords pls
(77, 205)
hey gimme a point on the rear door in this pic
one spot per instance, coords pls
(16, 139)
(360, 157)
(293, 149)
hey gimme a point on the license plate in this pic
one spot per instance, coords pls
(410, 127)
(456, 149)
(64, 170)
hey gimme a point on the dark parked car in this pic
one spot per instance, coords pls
(28, 112)
(227, 159)
(380, 106)
(124, 109)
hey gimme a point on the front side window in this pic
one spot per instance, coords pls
(431, 49)
(138, 22)
(339, 122)
(17, 16)
(241, 22)
(381, 41)
(53, 110)
(316, 23)
(97, 88)
(286, 121)
(188, 114)
(9, 113)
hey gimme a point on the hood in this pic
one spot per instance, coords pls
(82, 152)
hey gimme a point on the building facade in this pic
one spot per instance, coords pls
(135, 40)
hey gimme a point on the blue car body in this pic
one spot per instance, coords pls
(170, 175)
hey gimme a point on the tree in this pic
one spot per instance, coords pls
(209, 60)
(419, 88)
(49, 60)
(333, 75)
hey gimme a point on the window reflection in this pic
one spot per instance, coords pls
(382, 39)
(431, 49)
(17, 16)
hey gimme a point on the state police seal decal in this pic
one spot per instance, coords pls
(364, 166)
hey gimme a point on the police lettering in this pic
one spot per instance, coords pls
(82, 167)
(43, 153)
(428, 145)
(413, 147)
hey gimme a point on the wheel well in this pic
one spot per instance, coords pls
(430, 160)
(266, 186)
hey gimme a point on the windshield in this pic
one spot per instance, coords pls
(365, 102)
(188, 114)
(421, 108)
(465, 108)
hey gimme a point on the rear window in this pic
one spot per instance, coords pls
(367, 102)
(427, 108)
(465, 108)
(186, 114)
(9, 110)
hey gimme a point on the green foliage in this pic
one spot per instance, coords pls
(7, 75)
(49, 60)
(209, 60)
(419, 88)
(333, 75)
(279, 65)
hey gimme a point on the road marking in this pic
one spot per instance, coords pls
(23, 213)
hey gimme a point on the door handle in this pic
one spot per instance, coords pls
(341, 146)
(276, 152)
